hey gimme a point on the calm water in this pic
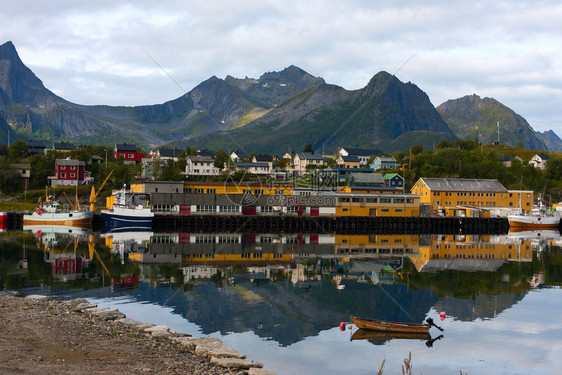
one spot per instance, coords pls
(279, 299)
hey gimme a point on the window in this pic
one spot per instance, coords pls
(258, 192)
(398, 200)
(344, 210)
(211, 191)
(385, 210)
(267, 209)
(205, 208)
(384, 200)
(131, 156)
(293, 209)
(199, 191)
(247, 191)
(228, 208)
(73, 175)
(63, 175)
(343, 200)
(357, 200)
(398, 210)
(187, 190)
(371, 200)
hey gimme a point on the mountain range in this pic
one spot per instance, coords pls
(278, 112)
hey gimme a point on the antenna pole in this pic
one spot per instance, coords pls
(498, 132)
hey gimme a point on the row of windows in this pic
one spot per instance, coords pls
(72, 167)
(472, 194)
(63, 175)
(214, 191)
(374, 200)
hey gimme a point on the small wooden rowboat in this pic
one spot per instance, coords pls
(386, 326)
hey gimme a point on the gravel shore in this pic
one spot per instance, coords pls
(42, 336)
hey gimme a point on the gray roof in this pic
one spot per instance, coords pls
(70, 162)
(368, 178)
(257, 165)
(387, 159)
(310, 156)
(201, 158)
(464, 184)
(467, 265)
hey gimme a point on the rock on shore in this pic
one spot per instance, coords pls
(44, 336)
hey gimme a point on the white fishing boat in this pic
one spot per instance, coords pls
(539, 218)
(51, 213)
(125, 212)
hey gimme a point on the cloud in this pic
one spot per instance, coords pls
(101, 52)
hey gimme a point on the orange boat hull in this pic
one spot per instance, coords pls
(386, 326)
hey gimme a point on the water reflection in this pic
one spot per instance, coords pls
(286, 287)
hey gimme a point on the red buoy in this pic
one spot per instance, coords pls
(342, 326)
(442, 315)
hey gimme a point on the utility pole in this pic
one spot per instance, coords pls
(498, 132)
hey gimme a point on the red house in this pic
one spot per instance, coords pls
(69, 172)
(129, 153)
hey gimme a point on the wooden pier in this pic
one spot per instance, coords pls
(351, 225)
(291, 224)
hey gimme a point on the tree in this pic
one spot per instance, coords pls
(281, 163)
(416, 150)
(554, 169)
(10, 179)
(221, 157)
(17, 150)
(331, 162)
(308, 148)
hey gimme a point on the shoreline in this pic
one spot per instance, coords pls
(44, 335)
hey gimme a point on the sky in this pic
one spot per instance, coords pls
(139, 52)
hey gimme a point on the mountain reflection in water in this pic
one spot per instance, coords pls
(286, 287)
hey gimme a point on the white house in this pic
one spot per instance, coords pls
(303, 159)
(363, 154)
(201, 166)
(539, 161)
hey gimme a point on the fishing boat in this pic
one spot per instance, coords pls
(51, 213)
(387, 326)
(539, 218)
(124, 211)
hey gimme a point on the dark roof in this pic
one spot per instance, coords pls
(464, 184)
(264, 158)
(362, 151)
(63, 146)
(544, 156)
(350, 158)
(206, 153)
(169, 153)
(35, 147)
(241, 154)
(125, 147)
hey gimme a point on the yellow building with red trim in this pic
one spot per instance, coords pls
(461, 196)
